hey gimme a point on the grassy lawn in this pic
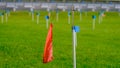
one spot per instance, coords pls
(22, 41)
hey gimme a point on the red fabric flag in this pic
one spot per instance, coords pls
(48, 53)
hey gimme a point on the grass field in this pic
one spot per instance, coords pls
(22, 41)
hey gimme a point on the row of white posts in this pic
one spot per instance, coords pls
(100, 18)
(6, 14)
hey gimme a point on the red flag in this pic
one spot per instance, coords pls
(48, 53)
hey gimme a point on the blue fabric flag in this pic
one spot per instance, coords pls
(76, 28)
(1, 14)
(93, 17)
(46, 17)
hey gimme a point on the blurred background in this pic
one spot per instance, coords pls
(87, 5)
(80, 1)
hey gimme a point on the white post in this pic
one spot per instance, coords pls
(80, 16)
(49, 13)
(99, 19)
(68, 19)
(75, 38)
(74, 50)
(32, 16)
(64, 7)
(37, 19)
(73, 33)
(2, 18)
(57, 16)
(93, 24)
(47, 23)
(6, 17)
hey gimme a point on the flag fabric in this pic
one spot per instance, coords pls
(48, 52)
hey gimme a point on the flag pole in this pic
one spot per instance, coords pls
(37, 19)
(57, 16)
(80, 16)
(73, 36)
(6, 16)
(32, 16)
(2, 17)
(93, 24)
(6, 12)
(47, 23)
(68, 19)
(99, 19)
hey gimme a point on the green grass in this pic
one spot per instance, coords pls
(22, 41)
